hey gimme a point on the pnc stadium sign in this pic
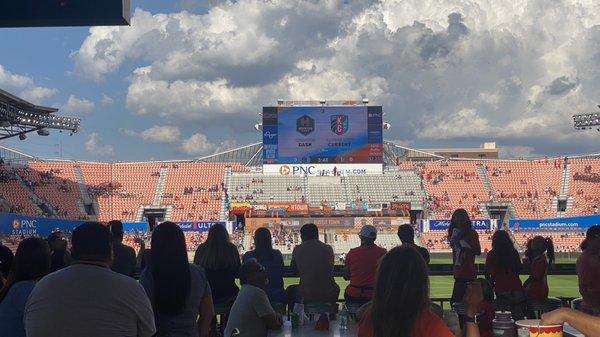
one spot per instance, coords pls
(24, 227)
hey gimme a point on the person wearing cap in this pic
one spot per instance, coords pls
(361, 266)
(87, 298)
(252, 314)
(313, 260)
(588, 271)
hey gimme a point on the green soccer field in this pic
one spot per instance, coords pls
(441, 286)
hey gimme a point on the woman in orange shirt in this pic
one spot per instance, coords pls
(400, 306)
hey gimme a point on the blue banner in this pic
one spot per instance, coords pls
(443, 225)
(199, 226)
(17, 224)
(580, 223)
(135, 226)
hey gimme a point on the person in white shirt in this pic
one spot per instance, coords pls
(252, 314)
(87, 298)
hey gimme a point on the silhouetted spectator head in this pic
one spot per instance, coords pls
(31, 263)
(309, 232)
(92, 242)
(591, 235)
(367, 234)
(57, 241)
(460, 220)
(116, 229)
(406, 233)
(6, 258)
(253, 273)
(539, 245)
(401, 291)
(263, 245)
(170, 269)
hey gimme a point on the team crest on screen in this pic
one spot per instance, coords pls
(339, 124)
(305, 125)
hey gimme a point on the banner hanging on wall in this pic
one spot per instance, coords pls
(580, 223)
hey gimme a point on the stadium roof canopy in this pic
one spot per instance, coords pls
(19, 117)
(251, 155)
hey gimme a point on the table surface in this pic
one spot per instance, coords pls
(308, 330)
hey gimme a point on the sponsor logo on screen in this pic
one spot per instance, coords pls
(305, 125)
(339, 124)
(284, 170)
(270, 135)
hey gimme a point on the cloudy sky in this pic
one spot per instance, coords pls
(188, 77)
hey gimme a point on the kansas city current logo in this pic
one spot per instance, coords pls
(339, 124)
(305, 125)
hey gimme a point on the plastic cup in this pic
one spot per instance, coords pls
(536, 330)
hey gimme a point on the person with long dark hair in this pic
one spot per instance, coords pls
(31, 263)
(539, 255)
(221, 262)
(502, 268)
(272, 260)
(178, 290)
(464, 241)
(401, 305)
(588, 272)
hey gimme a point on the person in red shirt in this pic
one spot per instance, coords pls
(400, 306)
(464, 241)
(539, 254)
(588, 272)
(502, 268)
(361, 265)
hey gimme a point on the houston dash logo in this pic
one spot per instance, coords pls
(339, 124)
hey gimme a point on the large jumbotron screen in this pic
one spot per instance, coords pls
(322, 135)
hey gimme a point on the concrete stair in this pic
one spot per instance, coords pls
(160, 186)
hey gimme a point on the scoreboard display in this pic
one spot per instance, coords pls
(322, 135)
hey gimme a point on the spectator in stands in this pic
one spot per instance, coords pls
(6, 258)
(31, 263)
(588, 272)
(539, 255)
(314, 261)
(502, 268)
(361, 265)
(87, 298)
(272, 260)
(61, 257)
(464, 241)
(400, 306)
(178, 290)
(221, 261)
(124, 260)
(406, 234)
(252, 314)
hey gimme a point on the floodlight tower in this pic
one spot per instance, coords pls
(587, 121)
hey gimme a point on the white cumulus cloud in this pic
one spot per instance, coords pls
(444, 70)
(197, 144)
(76, 105)
(24, 87)
(94, 146)
(157, 134)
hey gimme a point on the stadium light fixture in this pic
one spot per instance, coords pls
(258, 126)
(387, 126)
(365, 101)
(586, 121)
(22, 136)
(43, 132)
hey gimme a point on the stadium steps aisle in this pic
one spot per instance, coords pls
(160, 186)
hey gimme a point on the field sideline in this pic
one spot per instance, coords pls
(441, 286)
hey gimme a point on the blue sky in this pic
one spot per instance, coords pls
(189, 77)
